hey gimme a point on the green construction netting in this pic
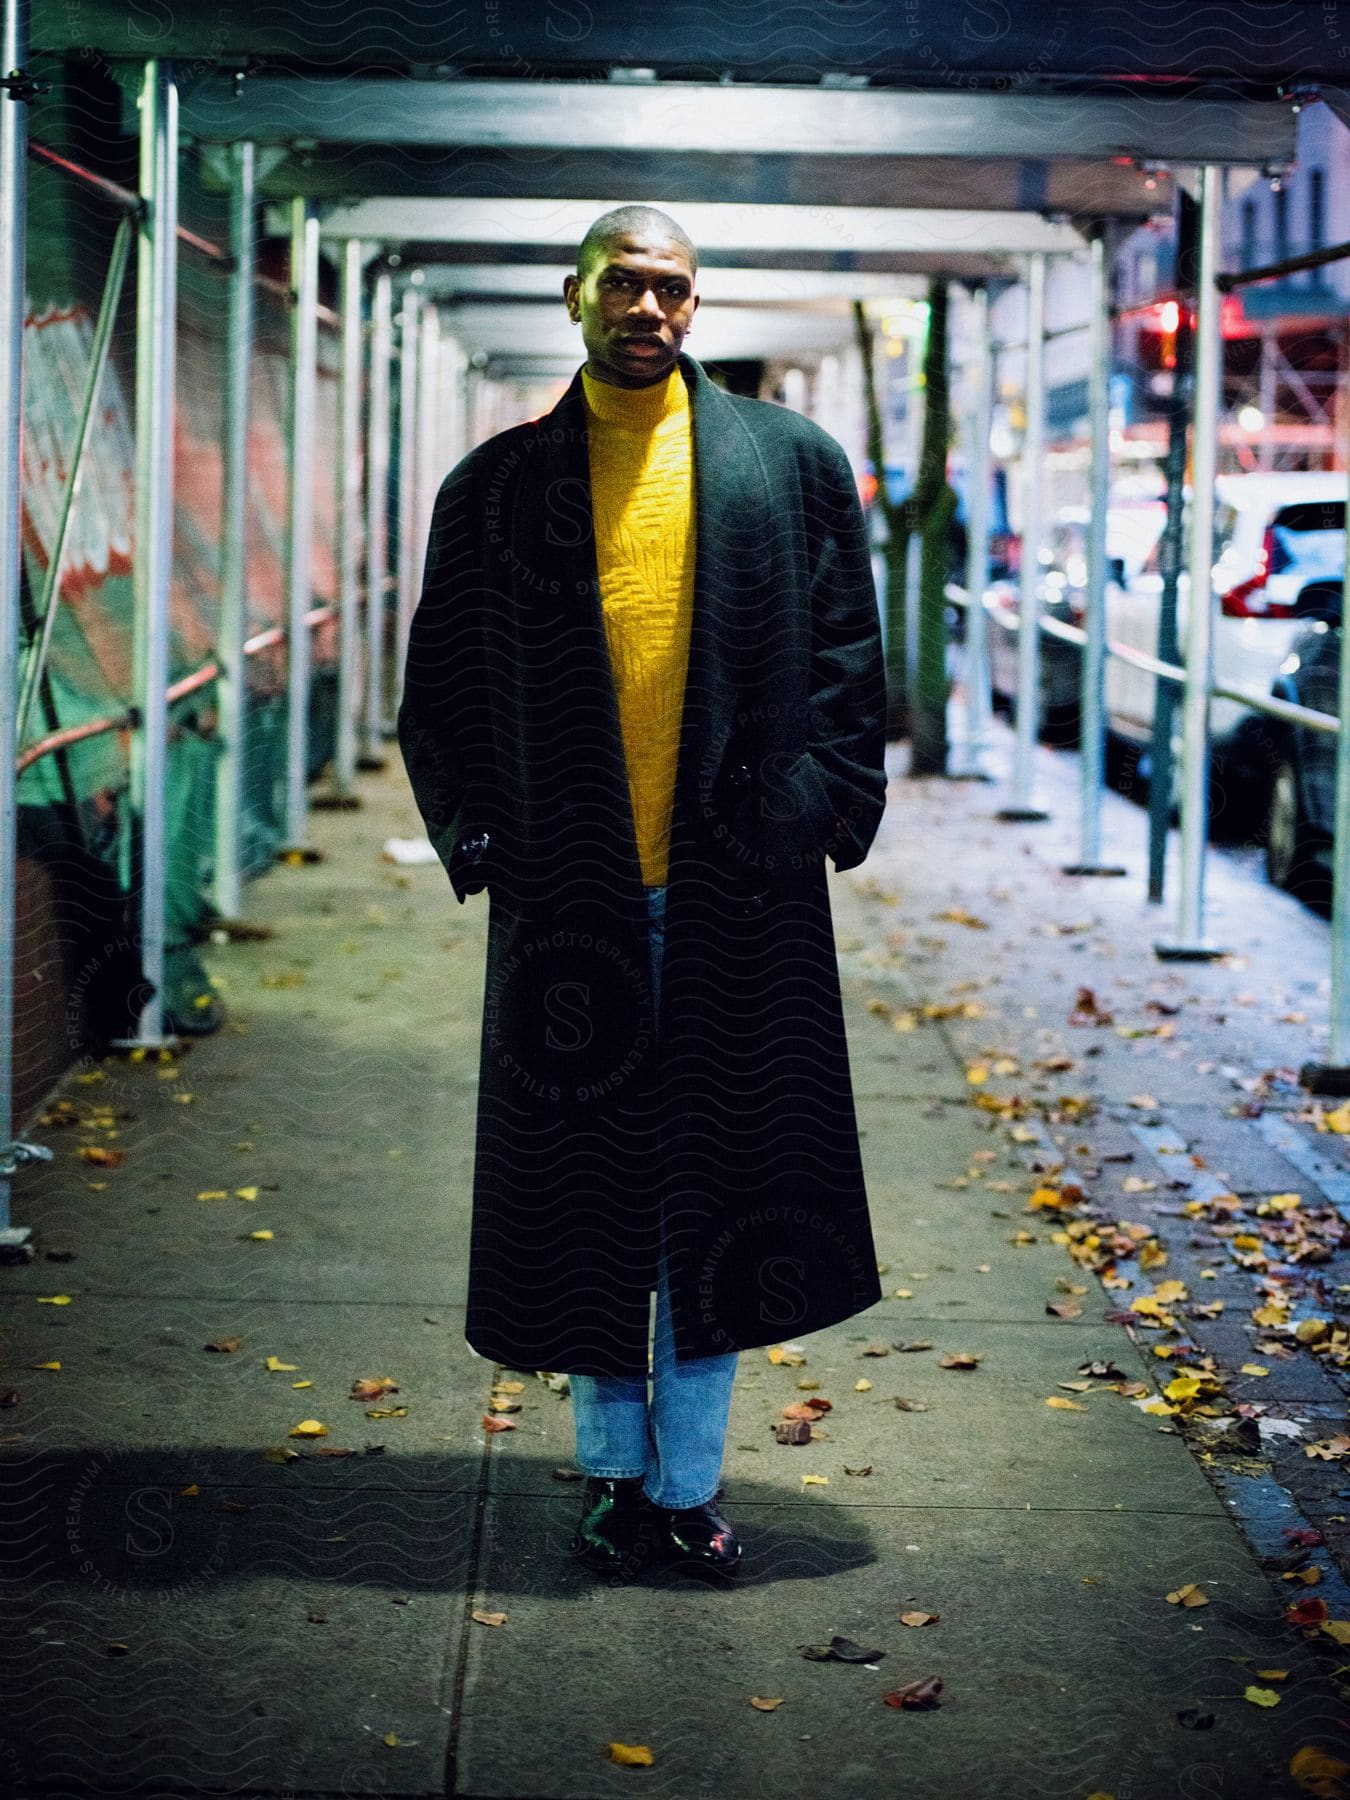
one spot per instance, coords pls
(74, 804)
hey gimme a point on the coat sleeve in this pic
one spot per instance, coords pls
(444, 723)
(844, 769)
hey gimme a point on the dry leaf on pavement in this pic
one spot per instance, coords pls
(1191, 1594)
(921, 1693)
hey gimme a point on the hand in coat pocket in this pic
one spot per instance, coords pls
(786, 807)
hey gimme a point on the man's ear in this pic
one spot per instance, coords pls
(570, 286)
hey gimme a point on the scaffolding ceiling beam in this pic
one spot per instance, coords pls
(781, 234)
(1067, 187)
(512, 282)
(731, 118)
(1220, 44)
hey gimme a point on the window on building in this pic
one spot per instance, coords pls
(1280, 200)
(1247, 254)
(1317, 220)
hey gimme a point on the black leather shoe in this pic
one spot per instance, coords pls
(614, 1534)
(700, 1538)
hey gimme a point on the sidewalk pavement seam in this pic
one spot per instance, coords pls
(1333, 1183)
(473, 1573)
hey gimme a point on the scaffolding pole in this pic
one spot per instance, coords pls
(1333, 1075)
(1021, 805)
(349, 520)
(232, 687)
(300, 538)
(1092, 670)
(978, 479)
(375, 720)
(156, 357)
(1190, 943)
(15, 1153)
(409, 506)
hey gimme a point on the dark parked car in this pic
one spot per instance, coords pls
(1302, 813)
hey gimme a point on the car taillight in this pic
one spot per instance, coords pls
(1249, 599)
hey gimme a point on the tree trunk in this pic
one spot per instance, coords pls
(896, 549)
(935, 503)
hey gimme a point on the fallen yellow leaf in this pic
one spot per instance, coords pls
(762, 1705)
(862, 1387)
(1269, 1314)
(1315, 1770)
(261, 1237)
(53, 1299)
(1191, 1594)
(488, 1618)
(1183, 1387)
(50, 1365)
(631, 1756)
(1062, 1405)
(1260, 1696)
(278, 1367)
(308, 1428)
(815, 1481)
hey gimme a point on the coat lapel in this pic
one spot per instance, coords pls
(729, 492)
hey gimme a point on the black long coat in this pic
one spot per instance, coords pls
(729, 1133)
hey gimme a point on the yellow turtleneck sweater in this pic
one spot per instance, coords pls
(642, 504)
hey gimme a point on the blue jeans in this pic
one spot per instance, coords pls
(674, 1440)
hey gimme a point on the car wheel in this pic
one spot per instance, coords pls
(1291, 859)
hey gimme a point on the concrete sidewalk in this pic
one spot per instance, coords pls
(192, 1612)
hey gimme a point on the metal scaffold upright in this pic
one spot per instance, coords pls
(156, 365)
(1190, 943)
(299, 546)
(1092, 672)
(375, 717)
(15, 1153)
(233, 685)
(1022, 805)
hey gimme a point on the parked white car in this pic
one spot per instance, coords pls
(1274, 534)
(1132, 526)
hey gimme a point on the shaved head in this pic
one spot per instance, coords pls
(632, 222)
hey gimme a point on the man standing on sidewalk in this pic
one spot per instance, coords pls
(644, 699)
